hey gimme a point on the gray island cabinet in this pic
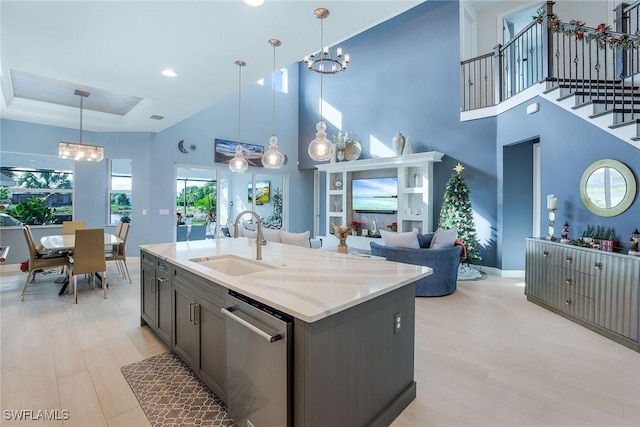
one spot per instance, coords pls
(352, 352)
(596, 289)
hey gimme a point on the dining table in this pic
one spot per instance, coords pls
(67, 242)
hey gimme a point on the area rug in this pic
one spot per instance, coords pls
(172, 395)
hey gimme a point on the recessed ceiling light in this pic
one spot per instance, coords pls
(169, 73)
(254, 2)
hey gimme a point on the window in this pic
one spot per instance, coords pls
(120, 185)
(196, 203)
(35, 189)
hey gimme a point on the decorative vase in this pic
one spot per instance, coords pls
(398, 144)
(342, 246)
(340, 154)
(408, 146)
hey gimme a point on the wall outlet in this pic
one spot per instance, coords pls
(397, 323)
(163, 212)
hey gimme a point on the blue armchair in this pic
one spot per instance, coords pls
(444, 261)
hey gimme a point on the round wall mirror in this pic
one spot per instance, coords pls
(607, 187)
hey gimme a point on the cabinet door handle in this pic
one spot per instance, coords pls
(597, 265)
(569, 281)
(162, 279)
(569, 259)
(196, 313)
(567, 301)
(545, 253)
(190, 312)
(153, 286)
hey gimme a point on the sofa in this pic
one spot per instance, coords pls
(277, 236)
(443, 261)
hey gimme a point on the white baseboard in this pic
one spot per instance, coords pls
(493, 271)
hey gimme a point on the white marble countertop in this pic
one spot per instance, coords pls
(308, 284)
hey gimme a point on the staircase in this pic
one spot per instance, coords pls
(590, 72)
(610, 105)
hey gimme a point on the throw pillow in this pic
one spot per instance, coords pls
(400, 240)
(271, 235)
(297, 239)
(444, 238)
(425, 240)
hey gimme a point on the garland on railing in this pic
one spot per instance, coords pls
(601, 34)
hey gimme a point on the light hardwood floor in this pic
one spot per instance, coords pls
(484, 357)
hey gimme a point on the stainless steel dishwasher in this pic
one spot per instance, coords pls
(259, 392)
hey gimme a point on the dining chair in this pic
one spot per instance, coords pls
(70, 227)
(88, 258)
(117, 233)
(39, 259)
(119, 254)
(119, 228)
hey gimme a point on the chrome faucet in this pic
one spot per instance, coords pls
(260, 242)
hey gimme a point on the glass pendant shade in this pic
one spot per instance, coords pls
(238, 163)
(273, 159)
(80, 152)
(321, 149)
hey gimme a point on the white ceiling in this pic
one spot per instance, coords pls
(121, 47)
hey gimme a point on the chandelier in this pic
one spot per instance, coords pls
(321, 149)
(79, 151)
(239, 164)
(325, 63)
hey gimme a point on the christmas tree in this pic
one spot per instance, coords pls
(456, 213)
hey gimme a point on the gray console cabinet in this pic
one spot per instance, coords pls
(155, 298)
(597, 289)
(199, 336)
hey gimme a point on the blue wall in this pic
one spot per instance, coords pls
(90, 179)
(568, 145)
(404, 76)
(154, 157)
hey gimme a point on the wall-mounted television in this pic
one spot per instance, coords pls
(374, 195)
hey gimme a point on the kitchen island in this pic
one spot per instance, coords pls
(352, 343)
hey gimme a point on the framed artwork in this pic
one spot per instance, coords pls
(262, 192)
(226, 150)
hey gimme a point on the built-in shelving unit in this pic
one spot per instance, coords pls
(415, 189)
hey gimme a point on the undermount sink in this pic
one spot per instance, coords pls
(232, 265)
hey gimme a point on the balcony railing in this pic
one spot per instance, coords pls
(580, 64)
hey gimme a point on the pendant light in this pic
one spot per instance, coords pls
(321, 149)
(272, 158)
(80, 152)
(239, 164)
(324, 62)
